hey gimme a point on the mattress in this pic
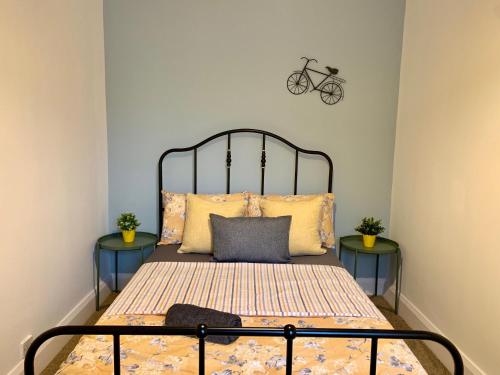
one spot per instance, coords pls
(349, 308)
(168, 253)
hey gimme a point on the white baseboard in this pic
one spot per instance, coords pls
(416, 319)
(78, 315)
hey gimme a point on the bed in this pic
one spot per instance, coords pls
(311, 316)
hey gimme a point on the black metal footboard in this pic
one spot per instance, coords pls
(289, 332)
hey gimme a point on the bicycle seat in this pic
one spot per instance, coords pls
(333, 71)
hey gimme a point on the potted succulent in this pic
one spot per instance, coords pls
(369, 228)
(127, 222)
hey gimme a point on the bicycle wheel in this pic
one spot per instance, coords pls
(297, 83)
(331, 93)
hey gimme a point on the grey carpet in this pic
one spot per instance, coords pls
(428, 360)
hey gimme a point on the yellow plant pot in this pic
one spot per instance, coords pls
(128, 235)
(368, 240)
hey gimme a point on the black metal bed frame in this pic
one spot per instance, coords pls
(289, 332)
(263, 159)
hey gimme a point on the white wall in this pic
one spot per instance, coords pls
(53, 162)
(446, 190)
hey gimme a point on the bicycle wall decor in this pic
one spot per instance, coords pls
(330, 88)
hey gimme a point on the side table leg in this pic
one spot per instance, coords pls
(142, 255)
(340, 252)
(355, 264)
(98, 286)
(116, 271)
(398, 286)
(376, 276)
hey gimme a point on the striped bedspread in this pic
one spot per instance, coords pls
(246, 289)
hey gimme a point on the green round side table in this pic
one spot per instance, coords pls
(114, 242)
(383, 246)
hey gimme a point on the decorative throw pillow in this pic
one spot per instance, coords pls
(197, 236)
(326, 229)
(304, 230)
(251, 239)
(174, 213)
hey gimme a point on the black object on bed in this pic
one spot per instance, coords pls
(186, 315)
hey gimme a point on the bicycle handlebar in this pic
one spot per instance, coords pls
(308, 59)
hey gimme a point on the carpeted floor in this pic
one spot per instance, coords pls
(431, 364)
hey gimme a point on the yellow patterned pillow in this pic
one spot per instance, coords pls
(174, 213)
(326, 229)
(197, 236)
(304, 230)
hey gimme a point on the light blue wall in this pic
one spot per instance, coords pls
(177, 72)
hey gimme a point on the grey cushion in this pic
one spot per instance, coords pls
(251, 239)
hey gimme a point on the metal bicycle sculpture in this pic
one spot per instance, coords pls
(330, 87)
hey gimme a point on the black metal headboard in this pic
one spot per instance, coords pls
(228, 133)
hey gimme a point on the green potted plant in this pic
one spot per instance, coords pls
(127, 222)
(369, 228)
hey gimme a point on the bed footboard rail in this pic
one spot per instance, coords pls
(289, 332)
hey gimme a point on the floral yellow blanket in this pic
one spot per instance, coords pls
(246, 356)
